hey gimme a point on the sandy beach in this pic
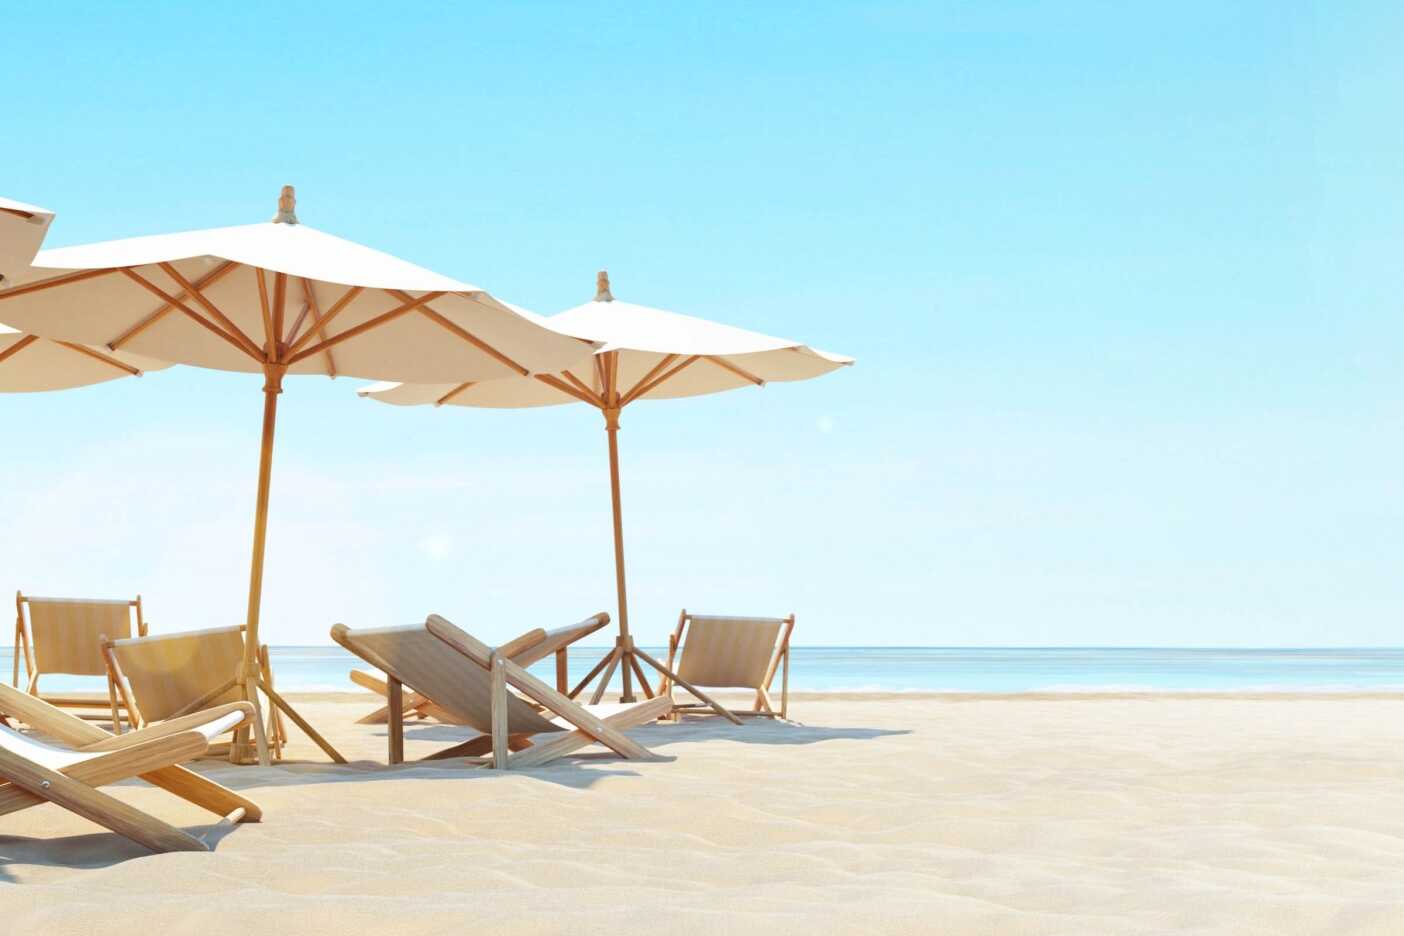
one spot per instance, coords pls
(871, 813)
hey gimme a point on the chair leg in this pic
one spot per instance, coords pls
(396, 692)
(785, 685)
(106, 811)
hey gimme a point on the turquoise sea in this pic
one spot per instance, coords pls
(965, 669)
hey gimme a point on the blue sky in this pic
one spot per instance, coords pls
(1123, 282)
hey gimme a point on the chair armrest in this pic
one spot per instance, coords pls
(558, 639)
(172, 727)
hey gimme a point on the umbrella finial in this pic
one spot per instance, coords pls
(602, 293)
(287, 206)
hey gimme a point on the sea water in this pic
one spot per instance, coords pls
(954, 669)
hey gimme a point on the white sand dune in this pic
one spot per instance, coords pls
(900, 814)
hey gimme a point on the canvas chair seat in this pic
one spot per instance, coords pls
(524, 650)
(57, 758)
(63, 636)
(169, 675)
(732, 653)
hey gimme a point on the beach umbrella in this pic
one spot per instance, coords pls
(29, 363)
(647, 354)
(277, 298)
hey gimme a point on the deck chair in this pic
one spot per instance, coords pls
(64, 636)
(171, 675)
(469, 680)
(732, 653)
(33, 772)
(531, 647)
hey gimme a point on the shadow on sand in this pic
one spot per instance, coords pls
(99, 849)
(579, 771)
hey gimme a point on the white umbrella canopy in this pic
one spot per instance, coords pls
(22, 230)
(280, 298)
(28, 363)
(646, 354)
(661, 355)
(214, 298)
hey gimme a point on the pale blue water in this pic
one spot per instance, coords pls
(961, 669)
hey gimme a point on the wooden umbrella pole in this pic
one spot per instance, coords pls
(625, 642)
(272, 386)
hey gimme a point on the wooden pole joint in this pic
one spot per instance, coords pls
(273, 377)
(611, 415)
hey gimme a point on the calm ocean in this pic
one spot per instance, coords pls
(958, 669)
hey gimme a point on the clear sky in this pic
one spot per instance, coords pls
(1123, 281)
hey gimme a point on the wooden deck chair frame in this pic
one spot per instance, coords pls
(470, 680)
(763, 706)
(153, 754)
(529, 648)
(174, 651)
(26, 646)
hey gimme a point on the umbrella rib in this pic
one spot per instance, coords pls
(270, 345)
(280, 299)
(637, 392)
(193, 291)
(56, 281)
(301, 317)
(600, 377)
(210, 278)
(584, 388)
(310, 294)
(566, 388)
(100, 357)
(654, 372)
(724, 364)
(189, 312)
(453, 393)
(365, 326)
(17, 347)
(346, 299)
(464, 333)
